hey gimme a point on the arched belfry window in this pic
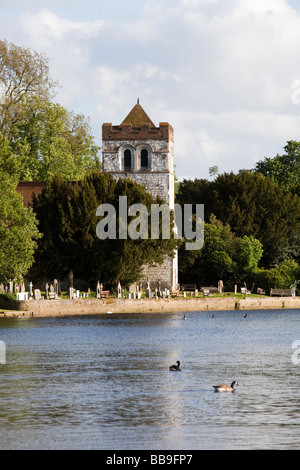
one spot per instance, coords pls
(127, 160)
(144, 159)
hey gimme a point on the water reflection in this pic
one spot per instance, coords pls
(103, 382)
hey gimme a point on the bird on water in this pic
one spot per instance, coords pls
(225, 388)
(175, 366)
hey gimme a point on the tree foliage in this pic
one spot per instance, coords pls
(283, 169)
(67, 216)
(252, 205)
(23, 74)
(44, 138)
(224, 256)
(284, 276)
(50, 140)
(18, 232)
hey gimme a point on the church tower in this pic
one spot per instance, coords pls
(139, 150)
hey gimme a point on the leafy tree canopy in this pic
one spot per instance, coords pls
(44, 138)
(67, 215)
(283, 276)
(283, 169)
(252, 205)
(224, 256)
(23, 74)
(50, 140)
(18, 232)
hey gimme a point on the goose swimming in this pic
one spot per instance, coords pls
(225, 388)
(175, 366)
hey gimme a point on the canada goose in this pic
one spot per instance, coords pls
(224, 387)
(184, 317)
(246, 315)
(175, 366)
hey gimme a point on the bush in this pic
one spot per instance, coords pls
(281, 277)
(7, 296)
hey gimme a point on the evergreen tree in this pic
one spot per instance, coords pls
(67, 215)
(252, 205)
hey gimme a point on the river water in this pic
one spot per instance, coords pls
(103, 382)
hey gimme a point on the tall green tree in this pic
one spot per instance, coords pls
(50, 140)
(44, 137)
(252, 205)
(224, 256)
(67, 218)
(23, 74)
(283, 169)
(18, 232)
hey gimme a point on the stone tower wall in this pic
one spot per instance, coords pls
(158, 179)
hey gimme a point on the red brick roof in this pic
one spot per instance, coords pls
(137, 117)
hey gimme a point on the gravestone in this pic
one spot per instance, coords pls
(52, 294)
(22, 296)
(98, 290)
(55, 286)
(119, 290)
(37, 294)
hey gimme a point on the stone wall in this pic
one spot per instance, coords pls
(158, 184)
(92, 307)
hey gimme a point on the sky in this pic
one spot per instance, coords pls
(224, 73)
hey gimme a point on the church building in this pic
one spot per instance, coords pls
(139, 150)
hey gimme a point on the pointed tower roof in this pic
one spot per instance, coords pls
(137, 117)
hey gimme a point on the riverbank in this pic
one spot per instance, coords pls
(43, 308)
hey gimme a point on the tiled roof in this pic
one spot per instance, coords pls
(137, 117)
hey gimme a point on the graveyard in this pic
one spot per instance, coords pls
(16, 301)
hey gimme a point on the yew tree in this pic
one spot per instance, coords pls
(67, 214)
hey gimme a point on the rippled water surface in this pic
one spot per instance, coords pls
(102, 382)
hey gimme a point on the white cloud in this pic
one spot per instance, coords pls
(45, 26)
(221, 72)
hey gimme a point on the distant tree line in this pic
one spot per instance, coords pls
(252, 226)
